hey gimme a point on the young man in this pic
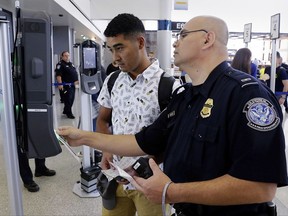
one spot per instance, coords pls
(223, 143)
(132, 103)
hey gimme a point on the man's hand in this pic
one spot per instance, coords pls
(152, 187)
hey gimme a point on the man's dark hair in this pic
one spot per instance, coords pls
(126, 24)
(64, 52)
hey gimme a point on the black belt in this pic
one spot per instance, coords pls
(187, 209)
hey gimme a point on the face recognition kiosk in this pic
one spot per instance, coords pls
(34, 97)
(91, 83)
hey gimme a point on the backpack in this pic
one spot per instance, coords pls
(164, 89)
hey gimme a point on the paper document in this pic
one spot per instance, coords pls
(65, 143)
(118, 169)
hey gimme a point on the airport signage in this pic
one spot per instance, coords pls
(177, 26)
(247, 32)
(275, 26)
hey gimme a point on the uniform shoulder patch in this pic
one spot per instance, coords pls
(261, 114)
(58, 66)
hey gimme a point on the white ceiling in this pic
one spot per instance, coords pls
(235, 13)
(81, 24)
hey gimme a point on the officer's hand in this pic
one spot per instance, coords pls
(106, 158)
(152, 187)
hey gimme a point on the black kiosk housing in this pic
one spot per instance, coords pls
(35, 57)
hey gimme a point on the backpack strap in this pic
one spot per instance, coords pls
(112, 80)
(165, 90)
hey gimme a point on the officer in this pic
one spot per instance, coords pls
(67, 77)
(26, 173)
(221, 136)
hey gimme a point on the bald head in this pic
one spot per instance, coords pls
(201, 46)
(213, 24)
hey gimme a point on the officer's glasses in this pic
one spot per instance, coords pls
(182, 34)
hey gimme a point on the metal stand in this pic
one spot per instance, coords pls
(86, 124)
(7, 121)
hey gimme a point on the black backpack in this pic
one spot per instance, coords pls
(164, 88)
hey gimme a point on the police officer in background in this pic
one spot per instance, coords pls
(66, 74)
(222, 136)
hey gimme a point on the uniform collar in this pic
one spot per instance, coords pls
(211, 79)
(64, 62)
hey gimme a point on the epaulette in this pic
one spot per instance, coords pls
(242, 78)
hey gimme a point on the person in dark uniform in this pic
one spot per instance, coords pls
(221, 137)
(26, 173)
(112, 67)
(66, 74)
(281, 80)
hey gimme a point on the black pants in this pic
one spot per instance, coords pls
(61, 93)
(69, 96)
(24, 168)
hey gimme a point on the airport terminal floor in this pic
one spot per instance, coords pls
(56, 196)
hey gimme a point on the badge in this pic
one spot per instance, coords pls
(206, 110)
(261, 114)
(58, 67)
(171, 114)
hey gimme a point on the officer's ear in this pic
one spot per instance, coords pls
(209, 39)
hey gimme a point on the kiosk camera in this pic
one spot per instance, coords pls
(90, 67)
(35, 56)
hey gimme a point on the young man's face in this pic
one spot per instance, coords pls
(125, 52)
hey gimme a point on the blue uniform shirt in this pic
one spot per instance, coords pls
(231, 124)
(67, 71)
(281, 74)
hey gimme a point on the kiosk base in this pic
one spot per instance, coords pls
(83, 194)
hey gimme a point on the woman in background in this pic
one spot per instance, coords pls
(242, 60)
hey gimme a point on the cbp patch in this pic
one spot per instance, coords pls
(58, 67)
(261, 114)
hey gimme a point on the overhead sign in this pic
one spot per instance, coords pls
(180, 4)
(177, 26)
(247, 32)
(275, 26)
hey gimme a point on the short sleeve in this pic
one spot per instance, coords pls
(104, 98)
(256, 132)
